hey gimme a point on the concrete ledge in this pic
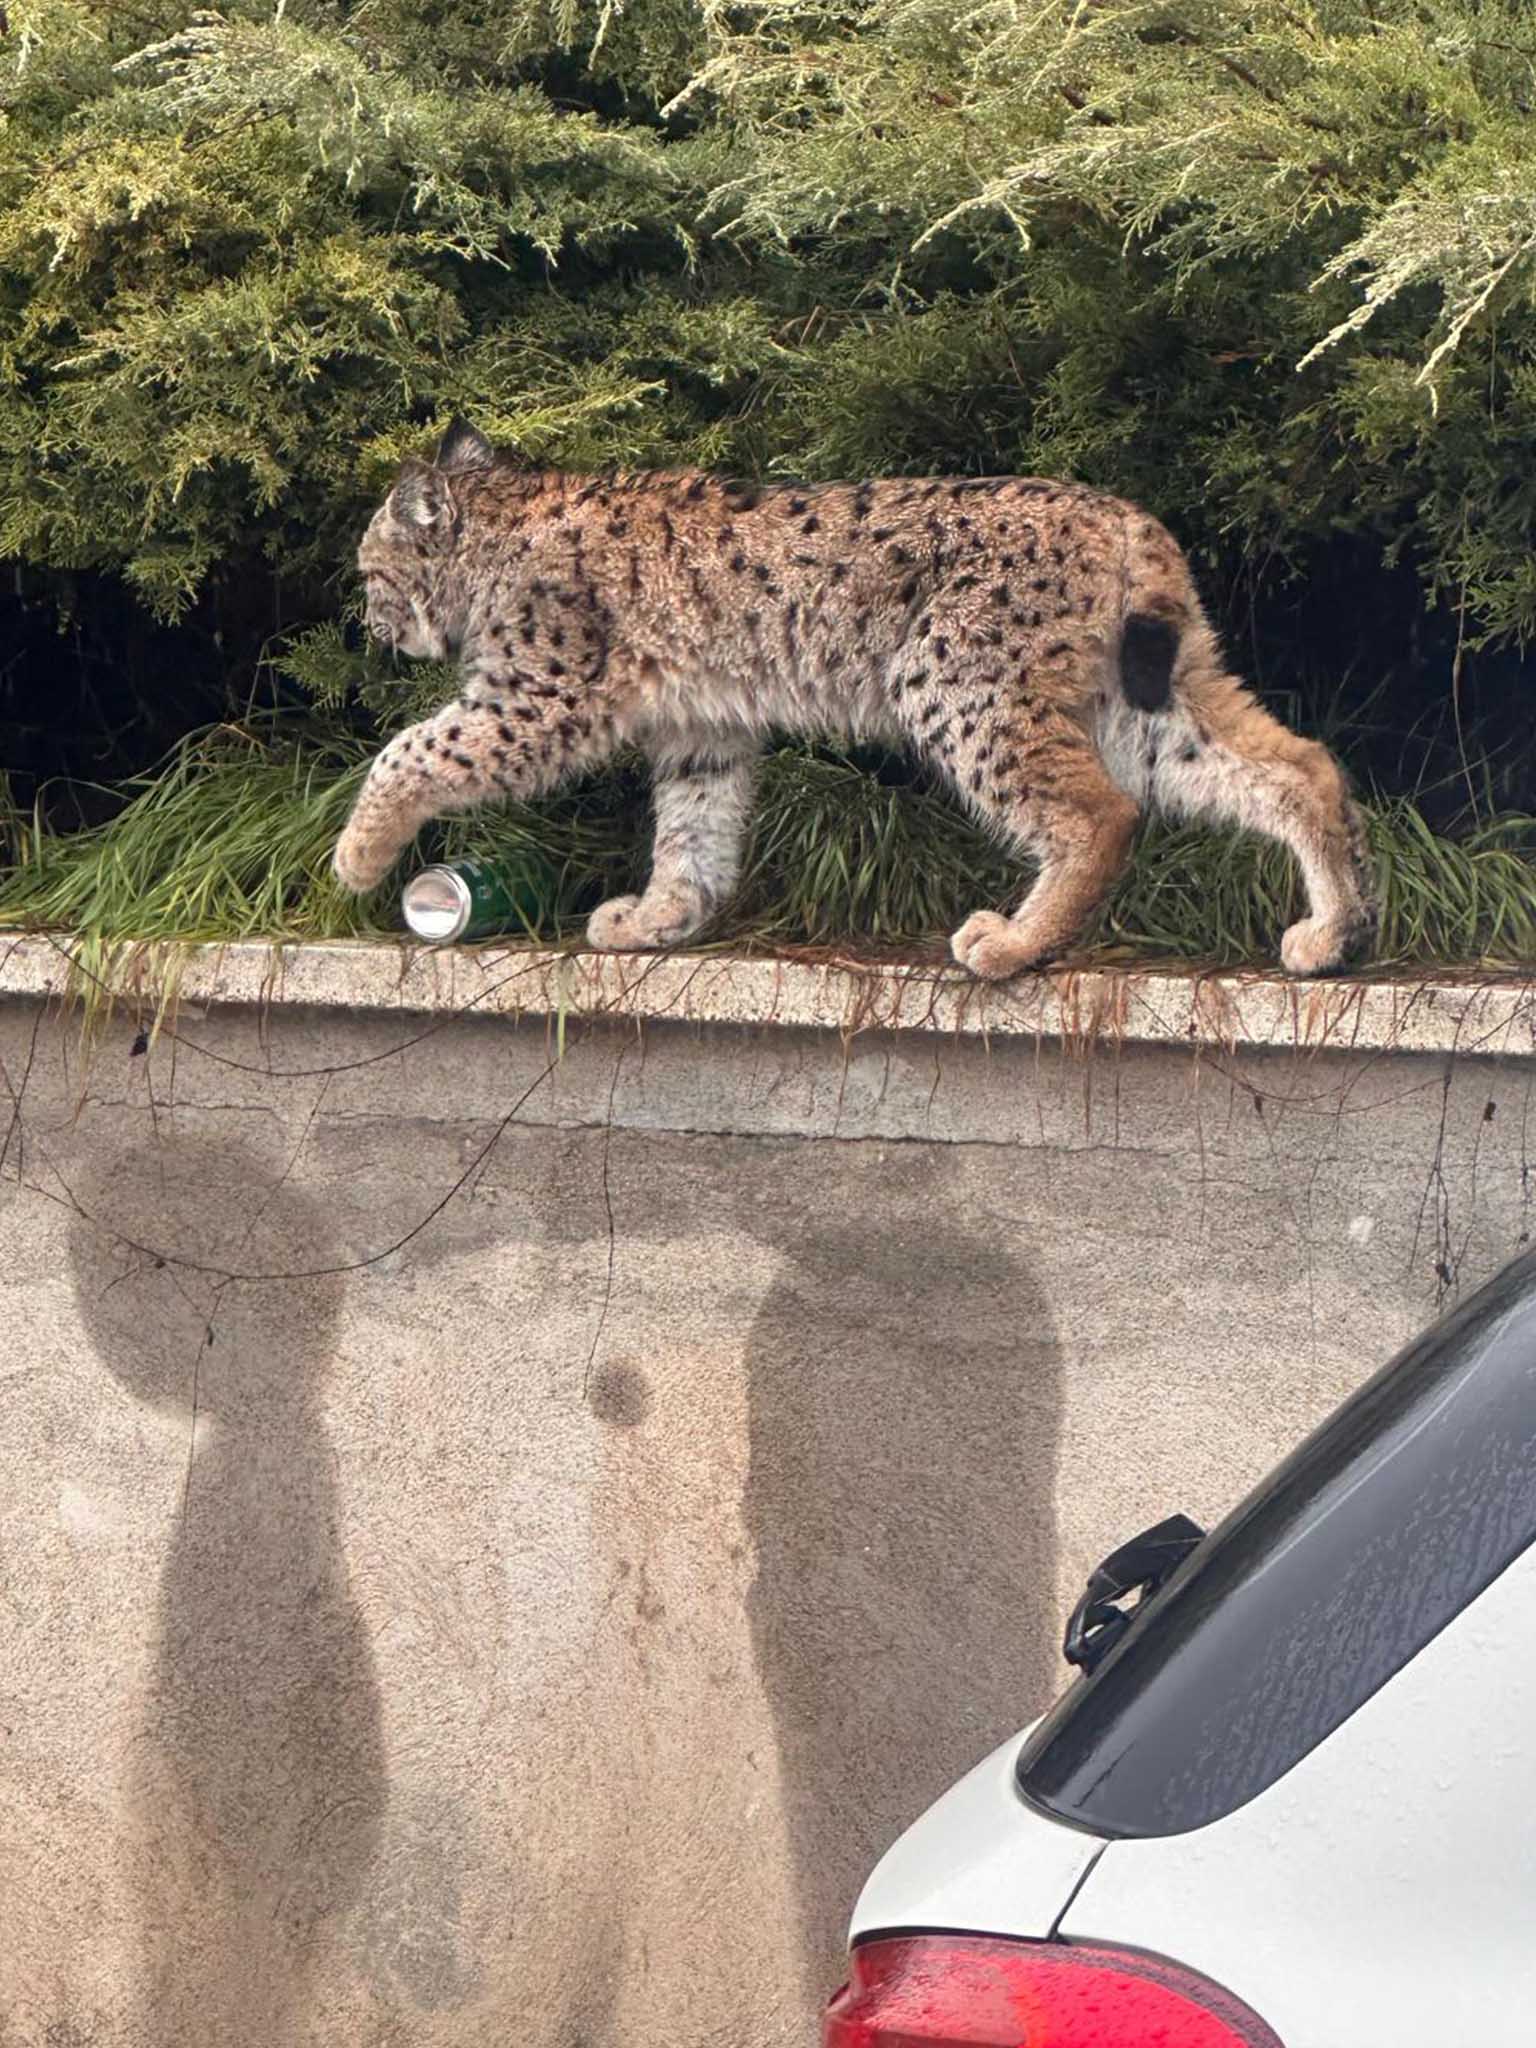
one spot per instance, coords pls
(1493, 1015)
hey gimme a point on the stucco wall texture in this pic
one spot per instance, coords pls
(493, 1544)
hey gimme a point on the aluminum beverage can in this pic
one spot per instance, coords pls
(470, 899)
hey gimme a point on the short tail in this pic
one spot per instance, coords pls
(1149, 646)
(1160, 607)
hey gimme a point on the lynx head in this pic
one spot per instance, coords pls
(416, 601)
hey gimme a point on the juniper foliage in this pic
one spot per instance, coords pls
(1267, 265)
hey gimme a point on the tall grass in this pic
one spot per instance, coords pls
(232, 839)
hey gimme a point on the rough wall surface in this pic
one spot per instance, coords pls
(524, 1616)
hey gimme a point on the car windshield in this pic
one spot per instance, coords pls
(1341, 1566)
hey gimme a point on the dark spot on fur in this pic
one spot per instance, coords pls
(941, 648)
(738, 563)
(797, 504)
(453, 732)
(1189, 752)
(1000, 593)
(907, 591)
(696, 489)
(812, 525)
(762, 572)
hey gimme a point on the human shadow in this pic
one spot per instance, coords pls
(255, 1780)
(905, 1399)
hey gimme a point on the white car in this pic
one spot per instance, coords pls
(1290, 1799)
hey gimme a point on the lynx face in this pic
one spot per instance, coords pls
(414, 604)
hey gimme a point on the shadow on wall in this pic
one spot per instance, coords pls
(904, 1388)
(255, 1785)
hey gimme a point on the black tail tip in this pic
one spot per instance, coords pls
(1147, 649)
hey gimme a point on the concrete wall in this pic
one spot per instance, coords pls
(532, 1632)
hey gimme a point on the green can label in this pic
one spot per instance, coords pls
(477, 899)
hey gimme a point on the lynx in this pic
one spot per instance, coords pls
(1040, 643)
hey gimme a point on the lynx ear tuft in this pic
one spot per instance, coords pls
(463, 448)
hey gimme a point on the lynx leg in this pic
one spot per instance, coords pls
(1082, 836)
(702, 805)
(1236, 764)
(462, 756)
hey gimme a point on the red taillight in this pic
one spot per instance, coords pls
(968, 1991)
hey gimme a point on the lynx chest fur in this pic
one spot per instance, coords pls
(1040, 643)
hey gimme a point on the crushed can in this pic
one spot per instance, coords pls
(476, 899)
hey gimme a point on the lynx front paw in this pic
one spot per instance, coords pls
(1323, 945)
(994, 947)
(360, 863)
(637, 924)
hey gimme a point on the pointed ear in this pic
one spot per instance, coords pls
(421, 497)
(464, 447)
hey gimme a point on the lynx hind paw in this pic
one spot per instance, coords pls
(993, 947)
